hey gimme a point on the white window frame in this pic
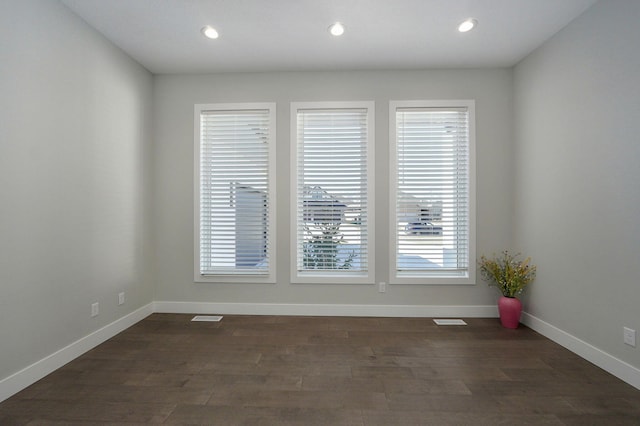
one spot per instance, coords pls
(337, 276)
(431, 277)
(270, 275)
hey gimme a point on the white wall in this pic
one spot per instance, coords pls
(75, 133)
(577, 163)
(175, 97)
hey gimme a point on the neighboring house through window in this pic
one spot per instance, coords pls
(332, 192)
(432, 192)
(235, 192)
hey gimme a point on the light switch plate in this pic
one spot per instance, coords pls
(95, 309)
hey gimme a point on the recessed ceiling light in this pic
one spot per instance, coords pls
(336, 29)
(209, 32)
(467, 25)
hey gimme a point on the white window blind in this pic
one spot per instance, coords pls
(332, 191)
(235, 208)
(431, 191)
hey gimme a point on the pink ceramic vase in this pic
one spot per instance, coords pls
(510, 309)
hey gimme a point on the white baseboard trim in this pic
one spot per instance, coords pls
(428, 311)
(607, 362)
(36, 371)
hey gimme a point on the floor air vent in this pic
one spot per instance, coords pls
(210, 318)
(449, 322)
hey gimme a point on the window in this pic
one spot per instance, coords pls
(432, 191)
(332, 172)
(235, 192)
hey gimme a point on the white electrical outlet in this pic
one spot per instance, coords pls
(382, 287)
(629, 336)
(121, 298)
(95, 309)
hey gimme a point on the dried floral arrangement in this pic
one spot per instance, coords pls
(507, 273)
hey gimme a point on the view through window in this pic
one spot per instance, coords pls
(235, 189)
(431, 189)
(332, 191)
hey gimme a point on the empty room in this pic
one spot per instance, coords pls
(340, 212)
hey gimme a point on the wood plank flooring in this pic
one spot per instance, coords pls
(277, 370)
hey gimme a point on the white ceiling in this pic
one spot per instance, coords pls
(291, 35)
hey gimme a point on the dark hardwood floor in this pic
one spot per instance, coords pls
(266, 370)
